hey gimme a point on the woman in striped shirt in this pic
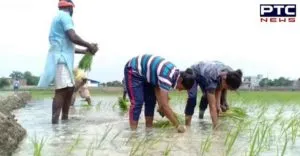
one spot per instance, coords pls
(148, 79)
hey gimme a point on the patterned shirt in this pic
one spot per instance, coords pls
(156, 70)
(208, 73)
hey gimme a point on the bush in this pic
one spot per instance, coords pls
(4, 82)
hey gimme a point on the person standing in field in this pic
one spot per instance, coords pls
(149, 79)
(214, 79)
(81, 87)
(16, 85)
(60, 59)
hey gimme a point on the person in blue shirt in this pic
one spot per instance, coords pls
(148, 79)
(214, 79)
(60, 59)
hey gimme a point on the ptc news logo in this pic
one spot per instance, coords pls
(277, 13)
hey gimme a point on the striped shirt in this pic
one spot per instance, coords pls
(156, 70)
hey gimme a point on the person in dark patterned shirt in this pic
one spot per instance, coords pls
(214, 79)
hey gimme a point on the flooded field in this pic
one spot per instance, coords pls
(271, 127)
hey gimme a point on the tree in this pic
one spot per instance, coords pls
(264, 82)
(31, 80)
(4, 82)
(16, 75)
(114, 84)
(281, 81)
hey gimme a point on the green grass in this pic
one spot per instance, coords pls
(74, 145)
(38, 145)
(205, 145)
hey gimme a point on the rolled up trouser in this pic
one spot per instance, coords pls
(139, 92)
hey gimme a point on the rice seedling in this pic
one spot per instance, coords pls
(253, 142)
(205, 145)
(116, 136)
(123, 104)
(167, 123)
(90, 150)
(98, 106)
(278, 116)
(285, 145)
(73, 146)
(86, 62)
(235, 113)
(38, 145)
(167, 152)
(99, 143)
(136, 146)
(233, 138)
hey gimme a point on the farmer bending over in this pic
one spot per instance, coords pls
(149, 78)
(214, 79)
(81, 87)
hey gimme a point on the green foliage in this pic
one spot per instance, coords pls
(123, 104)
(114, 84)
(4, 82)
(38, 145)
(265, 82)
(86, 62)
(31, 79)
(16, 75)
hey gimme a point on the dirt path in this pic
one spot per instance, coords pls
(11, 132)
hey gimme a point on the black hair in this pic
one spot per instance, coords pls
(188, 78)
(234, 79)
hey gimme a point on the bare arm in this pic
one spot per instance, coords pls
(218, 100)
(162, 98)
(80, 51)
(93, 48)
(212, 108)
(76, 39)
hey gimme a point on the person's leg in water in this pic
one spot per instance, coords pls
(85, 93)
(73, 98)
(203, 106)
(224, 104)
(135, 87)
(88, 100)
(57, 104)
(67, 103)
(124, 95)
(63, 93)
(191, 104)
(150, 102)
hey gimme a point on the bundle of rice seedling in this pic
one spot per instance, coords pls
(86, 62)
(79, 74)
(123, 104)
(235, 112)
(167, 123)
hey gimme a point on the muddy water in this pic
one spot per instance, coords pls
(103, 130)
